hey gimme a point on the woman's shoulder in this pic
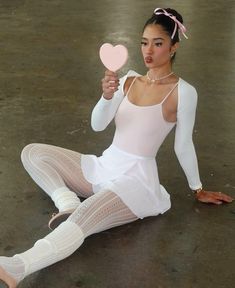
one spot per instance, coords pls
(127, 79)
(186, 86)
(187, 94)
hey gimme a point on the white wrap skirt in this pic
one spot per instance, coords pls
(133, 178)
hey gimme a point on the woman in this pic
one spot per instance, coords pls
(122, 185)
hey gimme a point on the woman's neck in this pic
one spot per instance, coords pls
(155, 75)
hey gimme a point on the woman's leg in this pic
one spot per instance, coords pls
(58, 172)
(99, 212)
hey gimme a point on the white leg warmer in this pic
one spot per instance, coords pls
(65, 199)
(99, 212)
(57, 245)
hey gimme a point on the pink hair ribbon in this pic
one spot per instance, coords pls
(177, 22)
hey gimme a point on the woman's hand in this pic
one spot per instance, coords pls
(110, 84)
(213, 197)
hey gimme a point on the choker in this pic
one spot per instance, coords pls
(158, 79)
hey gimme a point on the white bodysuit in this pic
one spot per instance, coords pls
(128, 167)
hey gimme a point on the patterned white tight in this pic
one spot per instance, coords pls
(54, 168)
(58, 172)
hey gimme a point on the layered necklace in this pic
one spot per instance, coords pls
(157, 79)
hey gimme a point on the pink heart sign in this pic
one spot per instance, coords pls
(113, 57)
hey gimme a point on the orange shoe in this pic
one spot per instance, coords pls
(7, 278)
(58, 218)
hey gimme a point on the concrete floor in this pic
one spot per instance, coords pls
(50, 80)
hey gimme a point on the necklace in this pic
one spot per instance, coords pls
(158, 79)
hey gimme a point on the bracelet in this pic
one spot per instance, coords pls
(198, 190)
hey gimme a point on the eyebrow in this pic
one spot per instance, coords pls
(159, 38)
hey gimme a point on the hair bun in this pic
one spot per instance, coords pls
(175, 13)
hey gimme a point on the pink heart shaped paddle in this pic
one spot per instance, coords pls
(113, 57)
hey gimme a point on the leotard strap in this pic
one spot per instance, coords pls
(130, 86)
(169, 93)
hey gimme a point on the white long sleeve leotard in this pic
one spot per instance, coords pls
(141, 139)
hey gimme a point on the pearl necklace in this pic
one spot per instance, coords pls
(158, 79)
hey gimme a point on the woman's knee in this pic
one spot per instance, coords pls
(27, 151)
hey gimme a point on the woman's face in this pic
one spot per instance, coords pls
(156, 46)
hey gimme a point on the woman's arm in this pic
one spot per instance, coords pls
(184, 148)
(113, 94)
(105, 110)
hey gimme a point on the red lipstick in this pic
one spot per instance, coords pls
(148, 59)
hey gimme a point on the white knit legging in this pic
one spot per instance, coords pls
(52, 167)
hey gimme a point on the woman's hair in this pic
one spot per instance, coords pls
(166, 22)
